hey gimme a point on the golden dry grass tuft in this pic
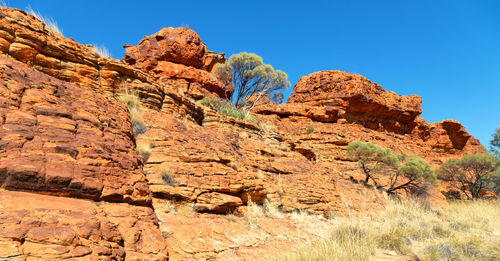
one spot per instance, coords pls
(101, 51)
(466, 230)
(133, 102)
(144, 149)
(46, 20)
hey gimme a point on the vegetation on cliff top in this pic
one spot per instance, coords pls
(250, 76)
(226, 108)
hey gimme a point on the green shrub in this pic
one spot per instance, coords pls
(375, 160)
(310, 129)
(226, 108)
(471, 173)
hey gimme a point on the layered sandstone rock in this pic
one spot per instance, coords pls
(352, 97)
(27, 39)
(60, 139)
(179, 58)
(41, 227)
(63, 133)
(65, 140)
(358, 106)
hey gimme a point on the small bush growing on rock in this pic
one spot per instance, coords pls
(404, 171)
(495, 143)
(226, 108)
(167, 178)
(310, 129)
(470, 174)
(131, 99)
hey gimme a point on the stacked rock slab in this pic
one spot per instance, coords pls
(181, 60)
(74, 187)
(346, 107)
(71, 182)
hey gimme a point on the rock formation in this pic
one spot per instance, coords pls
(74, 186)
(181, 61)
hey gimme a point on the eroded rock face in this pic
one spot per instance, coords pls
(63, 133)
(66, 140)
(356, 99)
(174, 54)
(28, 40)
(35, 226)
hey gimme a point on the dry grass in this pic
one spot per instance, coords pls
(144, 149)
(100, 51)
(46, 20)
(466, 230)
(184, 209)
(133, 102)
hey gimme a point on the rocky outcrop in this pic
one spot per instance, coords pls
(27, 39)
(178, 57)
(41, 227)
(63, 134)
(352, 97)
(356, 106)
(60, 139)
(65, 140)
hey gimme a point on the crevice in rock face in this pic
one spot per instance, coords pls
(308, 153)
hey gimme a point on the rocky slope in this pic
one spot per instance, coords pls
(74, 186)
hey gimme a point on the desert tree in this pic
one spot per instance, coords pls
(495, 143)
(250, 76)
(403, 171)
(469, 174)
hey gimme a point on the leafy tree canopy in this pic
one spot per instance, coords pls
(470, 174)
(376, 160)
(250, 76)
(495, 143)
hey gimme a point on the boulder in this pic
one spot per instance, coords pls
(179, 54)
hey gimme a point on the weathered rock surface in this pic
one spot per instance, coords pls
(63, 133)
(28, 40)
(41, 227)
(356, 99)
(65, 140)
(174, 54)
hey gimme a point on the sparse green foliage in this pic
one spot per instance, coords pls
(495, 143)
(131, 99)
(250, 76)
(376, 160)
(470, 173)
(226, 108)
(310, 129)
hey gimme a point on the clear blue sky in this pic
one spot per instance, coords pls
(446, 51)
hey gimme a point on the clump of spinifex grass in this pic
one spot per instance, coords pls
(465, 230)
(133, 102)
